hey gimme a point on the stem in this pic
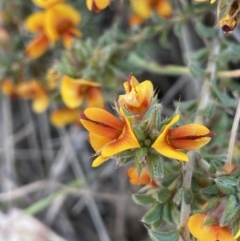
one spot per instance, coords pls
(174, 70)
(233, 137)
(188, 169)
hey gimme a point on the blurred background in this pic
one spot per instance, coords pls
(48, 189)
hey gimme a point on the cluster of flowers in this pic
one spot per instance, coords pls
(140, 128)
(57, 21)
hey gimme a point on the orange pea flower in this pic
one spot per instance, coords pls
(212, 232)
(35, 23)
(64, 116)
(61, 22)
(108, 135)
(33, 90)
(143, 179)
(97, 5)
(143, 9)
(138, 95)
(74, 90)
(57, 22)
(30, 90)
(186, 137)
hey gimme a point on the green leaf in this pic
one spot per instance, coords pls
(212, 203)
(209, 221)
(187, 195)
(197, 72)
(157, 166)
(210, 191)
(156, 224)
(143, 199)
(223, 98)
(226, 189)
(164, 40)
(169, 179)
(199, 55)
(203, 31)
(178, 196)
(153, 214)
(163, 195)
(163, 236)
(227, 180)
(167, 212)
(230, 208)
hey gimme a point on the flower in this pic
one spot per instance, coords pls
(143, 9)
(74, 90)
(33, 90)
(229, 12)
(213, 232)
(186, 137)
(50, 25)
(64, 116)
(138, 96)
(46, 3)
(30, 90)
(61, 21)
(35, 24)
(142, 179)
(108, 135)
(97, 5)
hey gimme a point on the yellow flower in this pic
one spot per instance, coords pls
(138, 96)
(211, 232)
(143, 179)
(143, 9)
(187, 137)
(8, 88)
(61, 21)
(97, 5)
(57, 22)
(108, 135)
(64, 116)
(46, 3)
(33, 90)
(74, 90)
(35, 24)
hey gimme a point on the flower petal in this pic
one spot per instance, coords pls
(212, 232)
(141, 8)
(59, 19)
(189, 137)
(126, 141)
(46, 3)
(100, 122)
(73, 90)
(101, 4)
(64, 116)
(40, 104)
(99, 161)
(35, 22)
(162, 145)
(95, 97)
(143, 179)
(98, 142)
(37, 46)
(164, 9)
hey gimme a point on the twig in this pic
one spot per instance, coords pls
(233, 136)
(188, 169)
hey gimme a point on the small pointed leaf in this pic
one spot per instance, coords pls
(143, 199)
(163, 195)
(153, 214)
(161, 236)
